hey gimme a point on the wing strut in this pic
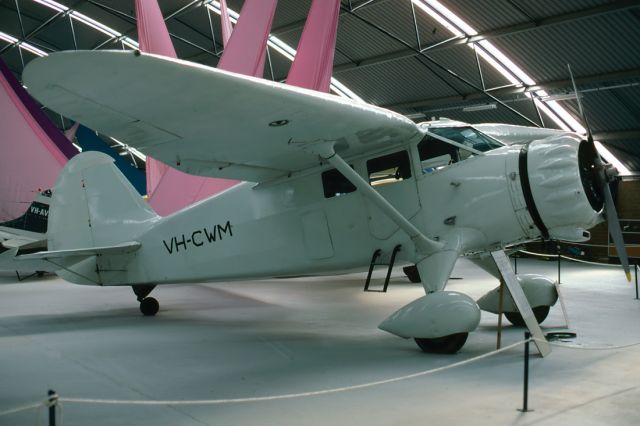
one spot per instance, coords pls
(423, 244)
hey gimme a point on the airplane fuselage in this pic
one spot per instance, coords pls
(315, 224)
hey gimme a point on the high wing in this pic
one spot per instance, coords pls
(206, 121)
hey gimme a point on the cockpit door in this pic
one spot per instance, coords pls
(391, 175)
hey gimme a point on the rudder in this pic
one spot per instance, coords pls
(93, 205)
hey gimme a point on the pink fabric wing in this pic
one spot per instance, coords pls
(177, 190)
(244, 54)
(70, 133)
(153, 37)
(313, 65)
(225, 23)
(32, 150)
(169, 189)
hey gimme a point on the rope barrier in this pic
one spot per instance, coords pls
(59, 400)
(24, 408)
(530, 253)
(292, 395)
(592, 348)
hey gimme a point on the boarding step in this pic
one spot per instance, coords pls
(378, 260)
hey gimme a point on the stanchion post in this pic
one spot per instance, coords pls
(525, 394)
(52, 398)
(558, 252)
(500, 308)
(635, 269)
(515, 263)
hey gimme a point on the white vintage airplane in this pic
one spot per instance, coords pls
(329, 182)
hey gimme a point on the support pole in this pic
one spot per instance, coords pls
(558, 253)
(52, 399)
(500, 308)
(636, 275)
(525, 390)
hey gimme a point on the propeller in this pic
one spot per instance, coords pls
(603, 174)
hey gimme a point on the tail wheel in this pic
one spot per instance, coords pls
(540, 312)
(443, 345)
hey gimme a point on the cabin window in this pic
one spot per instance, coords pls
(435, 154)
(389, 169)
(335, 184)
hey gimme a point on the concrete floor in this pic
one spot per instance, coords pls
(274, 337)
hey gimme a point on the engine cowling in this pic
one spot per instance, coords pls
(564, 201)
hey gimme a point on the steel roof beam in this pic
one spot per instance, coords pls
(506, 91)
(617, 6)
(299, 24)
(617, 135)
(422, 57)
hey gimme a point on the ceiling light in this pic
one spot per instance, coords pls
(480, 107)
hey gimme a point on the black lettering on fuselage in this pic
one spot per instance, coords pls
(167, 246)
(211, 235)
(226, 228)
(193, 238)
(178, 243)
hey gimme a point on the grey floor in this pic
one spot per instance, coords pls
(252, 339)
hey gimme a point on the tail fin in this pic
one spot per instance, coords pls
(94, 205)
(35, 218)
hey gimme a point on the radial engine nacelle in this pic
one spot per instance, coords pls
(513, 195)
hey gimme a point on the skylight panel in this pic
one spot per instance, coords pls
(98, 26)
(22, 45)
(508, 69)
(610, 158)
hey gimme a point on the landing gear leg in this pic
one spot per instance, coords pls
(412, 273)
(148, 305)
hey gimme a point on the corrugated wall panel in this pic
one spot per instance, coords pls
(592, 46)
(394, 82)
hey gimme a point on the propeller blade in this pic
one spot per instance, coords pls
(616, 231)
(609, 206)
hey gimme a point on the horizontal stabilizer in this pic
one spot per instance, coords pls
(19, 241)
(123, 248)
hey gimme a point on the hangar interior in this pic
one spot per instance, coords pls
(502, 61)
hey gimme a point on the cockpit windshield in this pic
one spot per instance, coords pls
(436, 154)
(467, 136)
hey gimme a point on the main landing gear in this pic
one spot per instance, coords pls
(148, 305)
(443, 345)
(540, 312)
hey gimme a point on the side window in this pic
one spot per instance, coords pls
(390, 168)
(435, 154)
(335, 184)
